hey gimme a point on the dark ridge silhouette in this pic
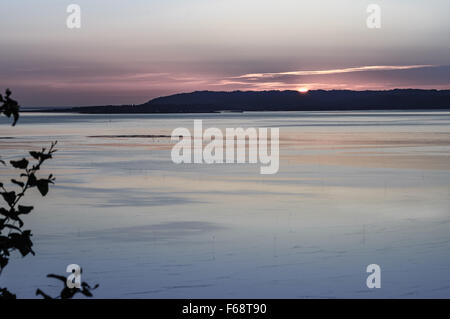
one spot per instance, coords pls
(130, 136)
(318, 100)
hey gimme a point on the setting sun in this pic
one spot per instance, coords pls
(303, 90)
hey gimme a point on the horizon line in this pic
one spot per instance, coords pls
(244, 91)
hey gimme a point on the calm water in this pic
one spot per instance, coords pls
(354, 188)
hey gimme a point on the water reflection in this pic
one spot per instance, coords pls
(353, 189)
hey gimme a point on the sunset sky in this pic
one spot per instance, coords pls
(132, 51)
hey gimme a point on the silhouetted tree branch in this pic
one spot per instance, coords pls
(10, 106)
(66, 292)
(12, 236)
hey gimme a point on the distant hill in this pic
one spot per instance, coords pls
(318, 100)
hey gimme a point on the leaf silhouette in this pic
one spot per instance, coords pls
(12, 214)
(32, 180)
(23, 210)
(3, 262)
(66, 292)
(9, 107)
(21, 184)
(9, 197)
(34, 154)
(6, 295)
(3, 212)
(22, 164)
(16, 117)
(22, 242)
(42, 186)
(86, 292)
(43, 294)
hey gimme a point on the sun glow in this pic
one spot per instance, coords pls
(303, 90)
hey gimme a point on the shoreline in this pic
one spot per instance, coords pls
(71, 111)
